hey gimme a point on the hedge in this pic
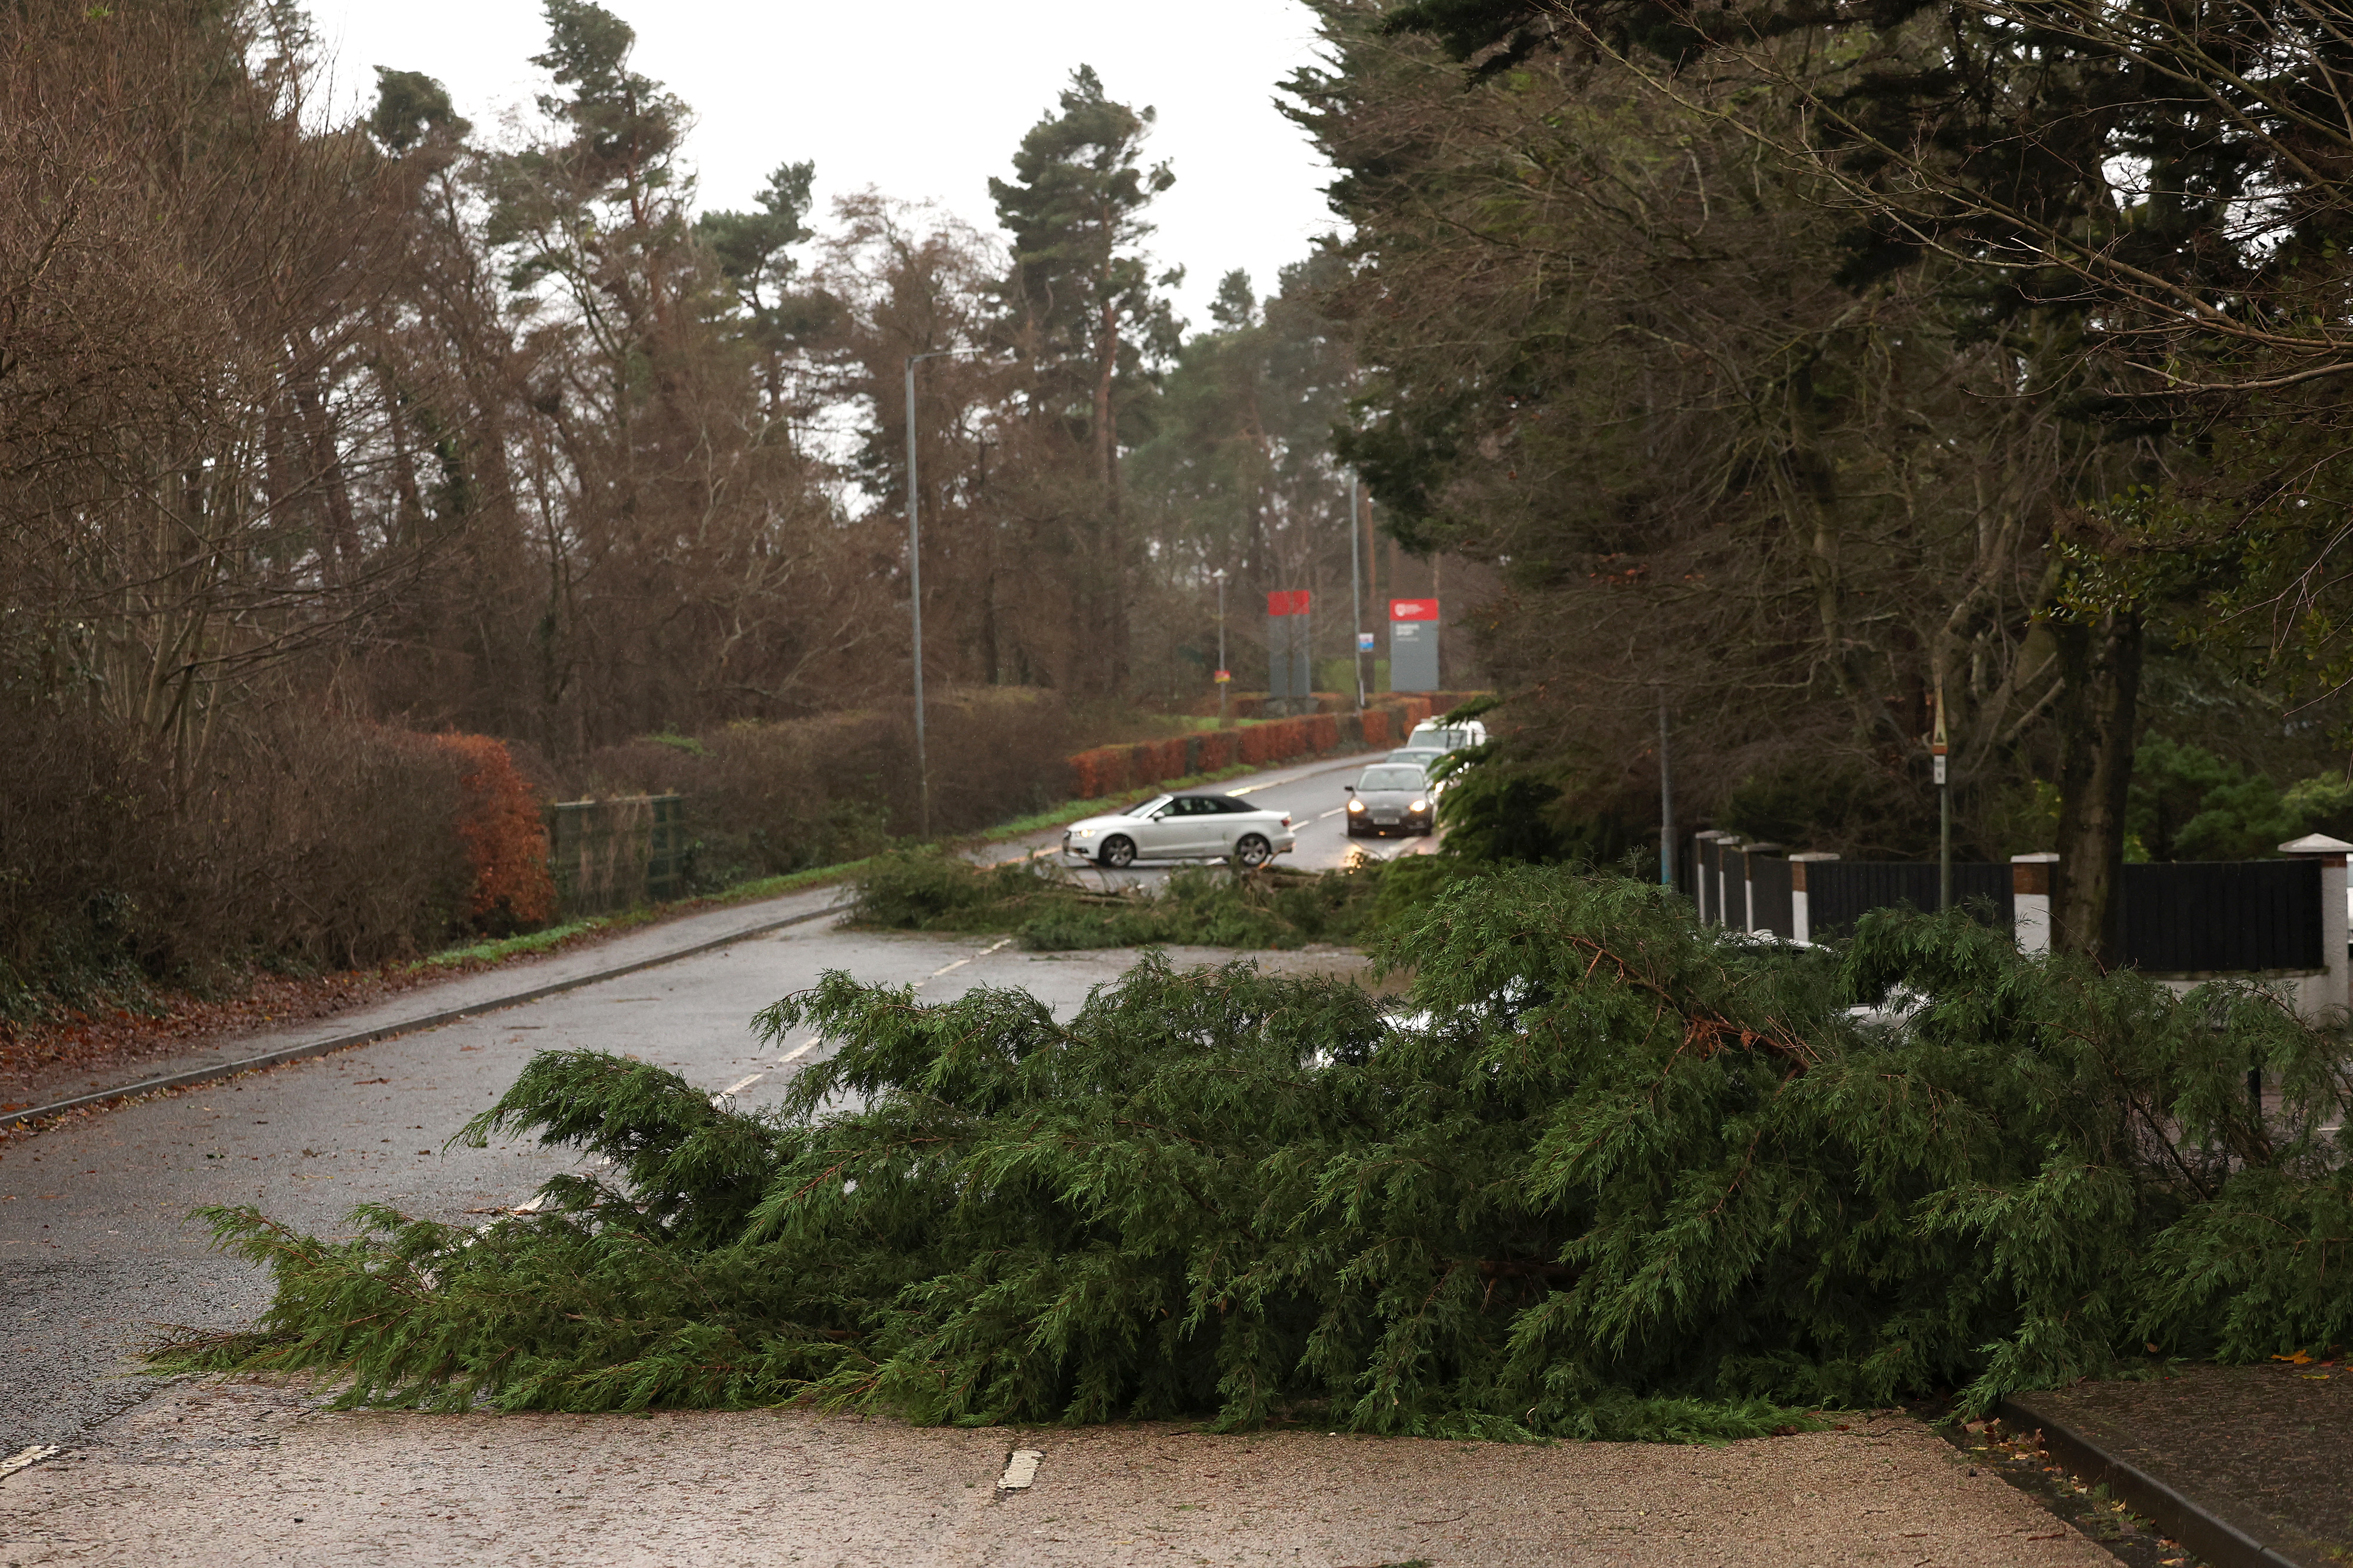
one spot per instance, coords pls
(1116, 770)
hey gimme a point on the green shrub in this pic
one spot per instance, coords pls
(1618, 1177)
(1055, 911)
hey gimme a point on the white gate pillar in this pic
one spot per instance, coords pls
(1708, 883)
(2327, 989)
(1801, 921)
(2029, 894)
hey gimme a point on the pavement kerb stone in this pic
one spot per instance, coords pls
(2215, 1540)
(320, 1047)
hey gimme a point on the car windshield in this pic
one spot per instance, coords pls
(1445, 740)
(1417, 756)
(1390, 778)
(1149, 806)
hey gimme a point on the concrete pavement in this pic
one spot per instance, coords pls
(250, 1473)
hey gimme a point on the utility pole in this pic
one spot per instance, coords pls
(1943, 808)
(1224, 671)
(1666, 801)
(1355, 598)
(915, 585)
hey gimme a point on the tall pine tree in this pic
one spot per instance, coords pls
(1086, 308)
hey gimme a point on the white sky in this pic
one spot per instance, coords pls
(923, 99)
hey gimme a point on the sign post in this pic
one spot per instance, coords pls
(1413, 645)
(1944, 809)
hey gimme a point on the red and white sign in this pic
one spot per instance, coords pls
(1413, 609)
(1223, 677)
(1287, 602)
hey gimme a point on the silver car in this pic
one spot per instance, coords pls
(1183, 827)
(1392, 797)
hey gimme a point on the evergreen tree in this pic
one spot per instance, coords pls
(1238, 474)
(1614, 1176)
(1085, 308)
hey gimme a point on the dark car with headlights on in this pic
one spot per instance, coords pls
(1392, 797)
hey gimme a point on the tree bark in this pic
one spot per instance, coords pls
(2100, 662)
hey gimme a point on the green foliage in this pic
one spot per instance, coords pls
(1842, 804)
(2187, 803)
(1053, 912)
(1614, 1176)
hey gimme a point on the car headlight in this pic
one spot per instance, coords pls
(1083, 833)
(1421, 806)
(1356, 806)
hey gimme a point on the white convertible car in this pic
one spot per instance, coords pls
(1182, 828)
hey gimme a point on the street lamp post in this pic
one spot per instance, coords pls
(1224, 669)
(916, 583)
(1355, 598)
(1666, 801)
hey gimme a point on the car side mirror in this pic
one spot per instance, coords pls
(1352, 789)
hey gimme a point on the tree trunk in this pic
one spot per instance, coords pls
(2100, 663)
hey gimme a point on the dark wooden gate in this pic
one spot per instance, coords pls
(2213, 917)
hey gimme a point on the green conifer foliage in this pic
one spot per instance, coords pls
(1614, 1176)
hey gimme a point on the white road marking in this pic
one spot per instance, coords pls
(787, 1059)
(1331, 813)
(24, 1458)
(960, 962)
(1020, 1470)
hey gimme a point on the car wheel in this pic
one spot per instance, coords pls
(1119, 852)
(1252, 851)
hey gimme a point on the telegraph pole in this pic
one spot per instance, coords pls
(916, 583)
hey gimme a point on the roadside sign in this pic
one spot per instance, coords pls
(1413, 645)
(1223, 677)
(1364, 641)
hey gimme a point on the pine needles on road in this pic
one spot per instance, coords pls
(1616, 1176)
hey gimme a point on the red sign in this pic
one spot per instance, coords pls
(1222, 676)
(1288, 602)
(1413, 609)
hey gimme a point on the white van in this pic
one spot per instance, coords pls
(1448, 738)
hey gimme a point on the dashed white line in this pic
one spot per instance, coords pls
(789, 1057)
(960, 962)
(1331, 813)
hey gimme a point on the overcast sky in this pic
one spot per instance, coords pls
(923, 99)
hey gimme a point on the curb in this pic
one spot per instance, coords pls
(404, 1026)
(2214, 1539)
